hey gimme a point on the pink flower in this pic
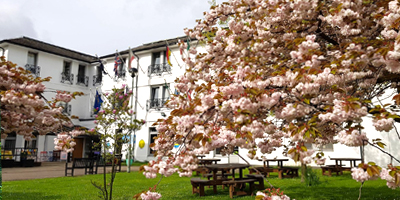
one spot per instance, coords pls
(150, 195)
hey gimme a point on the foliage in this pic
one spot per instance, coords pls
(114, 124)
(311, 177)
(299, 71)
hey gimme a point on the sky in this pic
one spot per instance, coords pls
(99, 26)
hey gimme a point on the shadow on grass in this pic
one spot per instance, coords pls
(30, 195)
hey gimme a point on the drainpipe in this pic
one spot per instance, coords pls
(136, 99)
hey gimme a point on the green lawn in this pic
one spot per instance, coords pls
(174, 187)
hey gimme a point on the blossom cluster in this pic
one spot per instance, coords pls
(150, 195)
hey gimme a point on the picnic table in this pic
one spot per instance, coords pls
(208, 161)
(339, 167)
(224, 168)
(283, 172)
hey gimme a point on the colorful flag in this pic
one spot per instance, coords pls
(117, 62)
(168, 54)
(97, 102)
(188, 45)
(131, 58)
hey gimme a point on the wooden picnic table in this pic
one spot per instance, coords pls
(279, 160)
(215, 168)
(208, 161)
(339, 162)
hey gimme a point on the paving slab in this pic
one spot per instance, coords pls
(47, 170)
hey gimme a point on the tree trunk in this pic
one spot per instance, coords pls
(303, 172)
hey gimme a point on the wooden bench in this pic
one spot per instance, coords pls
(260, 180)
(288, 172)
(102, 163)
(198, 185)
(240, 184)
(330, 169)
(80, 163)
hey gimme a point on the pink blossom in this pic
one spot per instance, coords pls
(150, 195)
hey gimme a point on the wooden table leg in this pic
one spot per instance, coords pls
(215, 181)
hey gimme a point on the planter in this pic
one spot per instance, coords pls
(7, 163)
(27, 163)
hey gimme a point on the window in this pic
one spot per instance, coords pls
(32, 58)
(156, 67)
(30, 144)
(67, 68)
(218, 150)
(156, 58)
(326, 147)
(66, 74)
(98, 77)
(154, 99)
(66, 108)
(31, 64)
(165, 94)
(10, 141)
(81, 74)
(153, 134)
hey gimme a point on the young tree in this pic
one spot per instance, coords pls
(302, 70)
(114, 124)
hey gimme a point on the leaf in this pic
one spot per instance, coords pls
(291, 151)
(369, 171)
(307, 101)
(303, 148)
(381, 144)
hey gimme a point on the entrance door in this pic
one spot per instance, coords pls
(78, 148)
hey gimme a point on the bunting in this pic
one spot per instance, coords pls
(131, 58)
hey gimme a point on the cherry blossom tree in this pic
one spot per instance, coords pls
(303, 70)
(114, 125)
(25, 110)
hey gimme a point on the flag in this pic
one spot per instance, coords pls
(101, 66)
(188, 45)
(97, 102)
(168, 54)
(131, 58)
(117, 62)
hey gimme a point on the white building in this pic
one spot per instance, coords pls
(69, 71)
(155, 84)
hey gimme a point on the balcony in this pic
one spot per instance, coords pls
(34, 69)
(67, 77)
(158, 69)
(156, 103)
(82, 80)
(97, 79)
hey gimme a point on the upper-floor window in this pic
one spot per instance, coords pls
(156, 67)
(31, 64)
(66, 74)
(99, 76)
(81, 78)
(159, 94)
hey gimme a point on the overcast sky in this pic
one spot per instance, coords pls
(98, 26)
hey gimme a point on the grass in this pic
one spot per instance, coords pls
(174, 187)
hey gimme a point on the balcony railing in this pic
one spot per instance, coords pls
(67, 77)
(34, 69)
(97, 79)
(156, 103)
(84, 80)
(158, 69)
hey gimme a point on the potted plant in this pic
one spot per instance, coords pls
(24, 155)
(25, 162)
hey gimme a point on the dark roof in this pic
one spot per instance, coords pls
(49, 48)
(152, 45)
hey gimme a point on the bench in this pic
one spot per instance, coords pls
(240, 184)
(198, 185)
(260, 180)
(330, 169)
(288, 172)
(80, 163)
(101, 163)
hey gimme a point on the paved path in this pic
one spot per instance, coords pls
(47, 170)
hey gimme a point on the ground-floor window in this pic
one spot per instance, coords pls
(153, 134)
